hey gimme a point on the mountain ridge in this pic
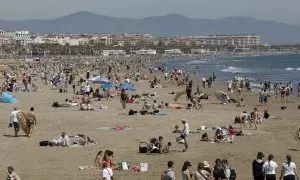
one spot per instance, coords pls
(168, 25)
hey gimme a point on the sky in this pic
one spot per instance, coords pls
(286, 11)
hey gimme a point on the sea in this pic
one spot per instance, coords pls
(273, 68)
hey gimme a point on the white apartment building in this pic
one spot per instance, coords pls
(173, 51)
(146, 52)
(113, 53)
(23, 37)
(62, 40)
(221, 40)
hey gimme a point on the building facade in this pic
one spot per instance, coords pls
(22, 37)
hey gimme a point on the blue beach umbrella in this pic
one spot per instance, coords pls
(127, 87)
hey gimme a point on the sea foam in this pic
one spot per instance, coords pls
(233, 69)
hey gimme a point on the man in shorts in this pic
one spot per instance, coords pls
(14, 121)
(31, 121)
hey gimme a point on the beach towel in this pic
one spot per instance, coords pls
(22, 118)
(88, 167)
(116, 128)
(160, 114)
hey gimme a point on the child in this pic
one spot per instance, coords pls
(167, 148)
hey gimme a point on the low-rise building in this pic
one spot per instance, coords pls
(113, 53)
(146, 52)
(173, 51)
(22, 37)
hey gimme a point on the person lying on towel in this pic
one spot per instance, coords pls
(62, 140)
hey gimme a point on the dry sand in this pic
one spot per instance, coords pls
(33, 162)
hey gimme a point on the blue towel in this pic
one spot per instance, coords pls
(160, 113)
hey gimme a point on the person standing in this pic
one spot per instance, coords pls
(14, 121)
(124, 98)
(184, 134)
(201, 173)
(257, 167)
(168, 174)
(31, 118)
(186, 175)
(269, 168)
(288, 171)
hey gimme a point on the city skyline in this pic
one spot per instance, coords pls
(277, 10)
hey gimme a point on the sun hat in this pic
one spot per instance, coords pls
(205, 163)
(183, 120)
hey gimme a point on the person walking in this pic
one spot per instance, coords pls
(168, 174)
(269, 168)
(14, 121)
(184, 134)
(257, 167)
(124, 98)
(288, 171)
(186, 175)
(31, 120)
(201, 173)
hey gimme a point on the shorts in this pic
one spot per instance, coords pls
(289, 177)
(30, 124)
(16, 125)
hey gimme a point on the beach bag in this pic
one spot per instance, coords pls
(44, 143)
(143, 147)
(232, 174)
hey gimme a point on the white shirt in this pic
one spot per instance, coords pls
(269, 167)
(186, 128)
(14, 117)
(63, 141)
(107, 173)
(288, 170)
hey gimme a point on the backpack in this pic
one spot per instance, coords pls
(257, 169)
(232, 174)
(164, 175)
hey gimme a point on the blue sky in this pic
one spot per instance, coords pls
(286, 11)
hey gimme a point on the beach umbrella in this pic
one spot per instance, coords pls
(101, 80)
(127, 87)
(94, 78)
(177, 96)
(107, 86)
(222, 96)
(7, 98)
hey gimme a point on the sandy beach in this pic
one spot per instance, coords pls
(31, 162)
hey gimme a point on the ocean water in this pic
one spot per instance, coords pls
(277, 68)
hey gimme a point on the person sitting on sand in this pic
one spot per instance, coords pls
(62, 140)
(219, 137)
(98, 162)
(160, 144)
(102, 106)
(162, 105)
(146, 106)
(266, 114)
(153, 146)
(86, 107)
(11, 175)
(176, 130)
(154, 105)
(166, 149)
(108, 158)
(241, 103)
(205, 137)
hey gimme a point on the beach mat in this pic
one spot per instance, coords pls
(88, 167)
